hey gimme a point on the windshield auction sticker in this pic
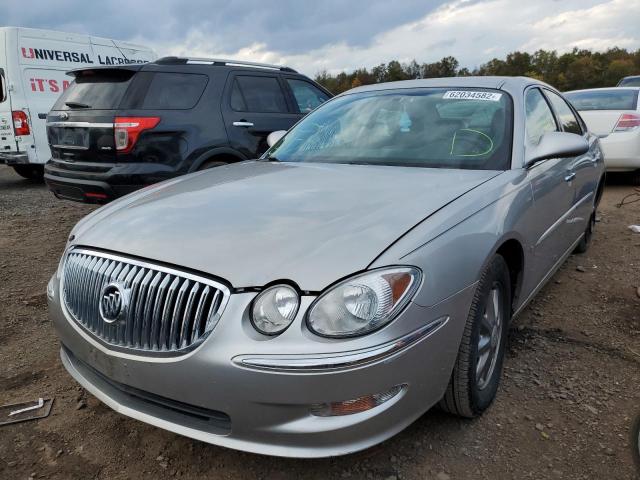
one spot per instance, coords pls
(471, 95)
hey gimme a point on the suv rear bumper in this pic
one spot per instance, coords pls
(14, 158)
(101, 183)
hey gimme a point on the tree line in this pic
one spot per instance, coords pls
(569, 71)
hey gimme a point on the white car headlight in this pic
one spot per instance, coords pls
(274, 309)
(363, 303)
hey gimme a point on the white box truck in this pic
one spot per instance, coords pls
(33, 66)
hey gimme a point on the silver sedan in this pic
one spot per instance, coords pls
(318, 300)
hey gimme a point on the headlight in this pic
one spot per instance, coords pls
(363, 303)
(274, 309)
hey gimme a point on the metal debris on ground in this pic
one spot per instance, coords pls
(22, 412)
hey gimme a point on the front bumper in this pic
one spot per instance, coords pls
(266, 407)
(14, 158)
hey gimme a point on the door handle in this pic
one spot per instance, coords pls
(569, 176)
(243, 124)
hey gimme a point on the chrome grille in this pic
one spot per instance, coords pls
(166, 311)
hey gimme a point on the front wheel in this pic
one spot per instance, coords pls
(476, 373)
(31, 172)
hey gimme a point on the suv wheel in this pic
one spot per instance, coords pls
(476, 373)
(32, 172)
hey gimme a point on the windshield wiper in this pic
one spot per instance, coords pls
(77, 105)
(271, 158)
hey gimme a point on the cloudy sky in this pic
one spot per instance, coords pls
(314, 35)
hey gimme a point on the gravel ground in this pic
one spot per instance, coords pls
(569, 395)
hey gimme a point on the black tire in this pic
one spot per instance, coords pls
(635, 177)
(31, 172)
(583, 246)
(212, 164)
(635, 442)
(465, 396)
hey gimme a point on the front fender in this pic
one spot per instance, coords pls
(453, 246)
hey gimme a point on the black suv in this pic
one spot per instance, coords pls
(117, 129)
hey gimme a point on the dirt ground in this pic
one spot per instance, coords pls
(569, 394)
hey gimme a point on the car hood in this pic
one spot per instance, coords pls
(257, 222)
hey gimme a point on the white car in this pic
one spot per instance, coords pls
(614, 115)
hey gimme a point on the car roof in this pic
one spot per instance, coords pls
(167, 61)
(509, 84)
(614, 89)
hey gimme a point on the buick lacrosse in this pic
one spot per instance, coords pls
(316, 301)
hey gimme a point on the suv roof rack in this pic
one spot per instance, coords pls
(219, 62)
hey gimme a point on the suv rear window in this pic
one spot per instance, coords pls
(95, 89)
(174, 91)
(611, 99)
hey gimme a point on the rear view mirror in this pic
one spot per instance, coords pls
(557, 145)
(274, 137)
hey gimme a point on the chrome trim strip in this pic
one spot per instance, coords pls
(557, 223)
(342, 360)
(80, 124)
(71, 147)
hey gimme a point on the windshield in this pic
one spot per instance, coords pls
(426, 127)
(612, 99)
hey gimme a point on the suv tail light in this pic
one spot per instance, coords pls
(20, 123)
(126, 131)
(626, 122)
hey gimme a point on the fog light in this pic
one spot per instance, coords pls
(357, 405)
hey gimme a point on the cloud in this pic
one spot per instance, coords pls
(335, 35)
(473, 32)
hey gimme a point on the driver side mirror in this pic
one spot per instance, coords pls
(274, 137)
(557, 145)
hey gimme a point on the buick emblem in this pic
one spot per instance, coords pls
(114, 302)
(64, 116)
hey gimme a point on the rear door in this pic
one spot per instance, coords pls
(582, 167)
(255, 104)
(7, 140)
(42, 86)
(80, 125)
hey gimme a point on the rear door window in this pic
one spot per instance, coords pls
(611, 99)
(565, 115)
(307, 95)
(174, 91)
(96, 90)
(258, 94)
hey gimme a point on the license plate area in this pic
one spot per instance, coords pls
(71, 137)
